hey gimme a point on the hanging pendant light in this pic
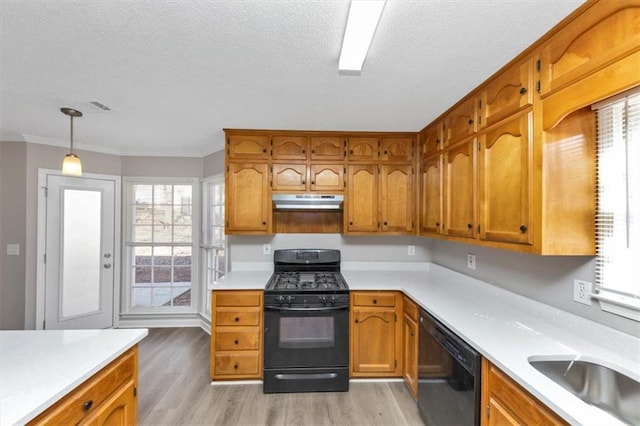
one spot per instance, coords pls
(71, 164)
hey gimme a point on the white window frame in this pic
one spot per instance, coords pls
(617, 222)
(128, 245)
(207, 245)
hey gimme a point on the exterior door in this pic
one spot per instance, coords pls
(79, 252)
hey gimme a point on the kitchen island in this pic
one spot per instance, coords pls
(506, 328)
(39, 368)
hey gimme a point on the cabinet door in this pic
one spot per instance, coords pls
(506, 94)
(397, 198)
(327, 177)
(362, 198)
(248, 198)
(119, 410)
(432, 139)
(289, 147)
(505, 181)
(250, 147)
(460, 181)
(373, 341)
(461, 122)
(289, 177)
(396, 149)
(604, 33)
(431, 203)
(410, 352)
(363, 149)
(327, 148)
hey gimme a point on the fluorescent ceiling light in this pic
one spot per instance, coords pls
(361, 25)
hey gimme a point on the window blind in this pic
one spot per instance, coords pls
(617, 273)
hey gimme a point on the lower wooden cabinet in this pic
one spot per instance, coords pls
(504, 402)
(106, 398)
(410, 345)
(376, 334)
(236, 334)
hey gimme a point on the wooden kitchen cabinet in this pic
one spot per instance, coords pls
(248, 147)
(507, 93)
(289, 177)
(363, 149)
(397, 149)
(432, 139)
(106, 398)
(460, 190)
(361, 205)
(397, 198)
(236, 335)
(410, 344)
(505, 172)
(431, 207)
(376, 334)
(327, 177)
(292, 148)
(606, 32)
(504, 402)
(461, 121)
(248, 198)
(329, 148)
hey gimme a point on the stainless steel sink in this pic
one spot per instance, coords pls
(596, 384)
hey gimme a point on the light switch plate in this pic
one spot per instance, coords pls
(471, 261)
(266, 249)
(411, 250)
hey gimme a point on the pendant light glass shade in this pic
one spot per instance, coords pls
(71, 164)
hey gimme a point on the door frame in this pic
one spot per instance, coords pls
(41, 243)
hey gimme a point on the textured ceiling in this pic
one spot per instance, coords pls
(176, 72)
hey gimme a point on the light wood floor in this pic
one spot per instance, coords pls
(175, 389)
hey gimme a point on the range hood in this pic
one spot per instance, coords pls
(307, 201)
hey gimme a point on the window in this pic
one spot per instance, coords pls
(159, 245)
(213, 238)
(618, 205)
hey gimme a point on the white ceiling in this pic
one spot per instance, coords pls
(176, 72)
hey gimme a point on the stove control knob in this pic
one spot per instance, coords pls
(333, 299)
(280, 299)
(323, 299)
(290, 299)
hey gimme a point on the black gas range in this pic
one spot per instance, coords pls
(306, 323)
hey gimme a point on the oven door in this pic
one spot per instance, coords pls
(306, 337)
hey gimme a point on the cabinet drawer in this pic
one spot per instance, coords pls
(237, 364)
(234, 316)
(237, 298)
(92, 393)
(374, 299)
(234, 339)
(410, 308)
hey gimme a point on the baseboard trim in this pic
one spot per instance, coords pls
(160, 323)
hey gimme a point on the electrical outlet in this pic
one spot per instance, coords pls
(266, 249)
(411, 250)
(582, 292)
(471, 261)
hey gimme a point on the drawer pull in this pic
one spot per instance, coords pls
(375, 302)
(87, 405)
(235, 366)
(235, 341)
(237, 319)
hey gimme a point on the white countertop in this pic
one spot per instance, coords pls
(504, 327)
(37, 368)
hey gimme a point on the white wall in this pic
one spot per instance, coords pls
(547, 279)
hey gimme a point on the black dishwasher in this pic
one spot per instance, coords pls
(448, 376)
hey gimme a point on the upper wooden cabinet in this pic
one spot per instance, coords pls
(461, 121)
(289, 147)
(397, 198)
(396, 149)
(253, 147)
(248, 198)
(510, 91)
(327, 148)
(361, 205)
(289, 177)
(432, 138)
(363, 149)
(506, 165)
(327, 177)
(606, 32)
(460, 190)
(431, 182)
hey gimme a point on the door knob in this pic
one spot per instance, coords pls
(107, 255)
(107, 265)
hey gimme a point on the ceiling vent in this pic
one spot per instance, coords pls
(99, 106)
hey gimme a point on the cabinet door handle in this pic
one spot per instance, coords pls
(351, 152)
(385, 223)
(304, 182)
(264, 150)
(385, 153)
(523, 229)
(313, 182)
(357, 321)
(87, 405)
(313, 151)
(437, 223)
(235, 341)
(235, 366)
(350, 223)
(237, 319)
(470, 121)
(264, 223)
(304, 152)
(523, 90)
(375, 301)
(469, 226)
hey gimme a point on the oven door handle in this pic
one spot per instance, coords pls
(323, 309)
